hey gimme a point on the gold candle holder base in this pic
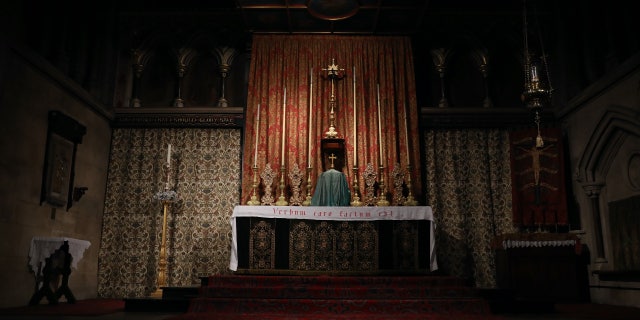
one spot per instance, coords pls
(356, 188)
(254, 201)
(307, 200)
(410, 201)
(382, 199)
(281, 200)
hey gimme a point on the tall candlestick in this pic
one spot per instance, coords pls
(355, 125)
(284, 121)
(379, 127)
(310, 117)
(257, 128)
(169, 154)
(406, 130)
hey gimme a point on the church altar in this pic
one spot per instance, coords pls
(336, 214)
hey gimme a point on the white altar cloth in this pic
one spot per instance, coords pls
(334, 213)
(43, 247)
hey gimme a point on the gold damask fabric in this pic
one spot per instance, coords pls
(469, 188)
(205, 172)
(384, 68)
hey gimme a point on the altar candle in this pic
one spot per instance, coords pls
(255, 153)
(284, 120)
(379, 127)
(310, 115)
(406, 129)
(355, 114)
(169, 154)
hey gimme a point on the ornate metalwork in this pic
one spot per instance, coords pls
(295, 176)
(255, 197)
(225, 57)
(397, 174)
(267, 178)
(300, 246)
(262, 245)
(282, 201)
(334, 73)
(382, 188)
(482, 59)
(440, 61)
(369, 176)
(409, 201)
(307, 200)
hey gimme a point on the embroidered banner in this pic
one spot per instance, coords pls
(537, 176)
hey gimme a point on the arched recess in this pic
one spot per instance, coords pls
(463, 77)
(615, 125)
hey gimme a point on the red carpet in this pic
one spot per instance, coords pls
(337, 297)
(90, 307)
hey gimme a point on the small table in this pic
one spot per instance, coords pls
(51, 257)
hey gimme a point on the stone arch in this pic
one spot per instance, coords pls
(616, 124)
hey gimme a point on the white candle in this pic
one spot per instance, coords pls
(310, 116)
(284, 121)
(406, 129)
(355, 130)
(257, 128)
(379, 127)
(169, 154)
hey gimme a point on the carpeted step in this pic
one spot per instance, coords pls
(340, 292)
(290, 316)
(271, 281)
(399, 307)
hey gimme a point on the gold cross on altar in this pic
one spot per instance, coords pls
(332, 157)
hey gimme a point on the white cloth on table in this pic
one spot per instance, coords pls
(334, 213)
(43, 247)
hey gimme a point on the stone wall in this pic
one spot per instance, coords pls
(29, 89)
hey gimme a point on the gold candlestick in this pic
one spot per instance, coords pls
(307, 200)
(410, 200)
(281, 200)
(255, 200)
(166, 196)
(334, 73)
(382, 199)
(162, 264)
(356, 189)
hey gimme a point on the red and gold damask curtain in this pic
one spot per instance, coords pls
(298, 64)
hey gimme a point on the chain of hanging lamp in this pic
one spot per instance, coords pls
(537, 84)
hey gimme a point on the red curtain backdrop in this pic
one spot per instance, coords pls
(537, 174)
(293, 62)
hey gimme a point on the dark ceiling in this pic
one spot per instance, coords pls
(324, 16)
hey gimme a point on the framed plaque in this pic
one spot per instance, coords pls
(63, 136)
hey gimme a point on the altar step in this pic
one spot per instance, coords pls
(174, 299)
(337, 297)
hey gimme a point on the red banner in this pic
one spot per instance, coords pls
(537, 177)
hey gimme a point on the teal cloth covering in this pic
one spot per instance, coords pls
(332, 189)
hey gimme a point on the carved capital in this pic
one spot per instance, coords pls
(592, 190)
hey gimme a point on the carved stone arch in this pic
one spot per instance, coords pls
(616, 124)
(465, 81)
(506, 78)
(159, 81)
(201, 80)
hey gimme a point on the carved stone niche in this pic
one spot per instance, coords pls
(332, 152)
